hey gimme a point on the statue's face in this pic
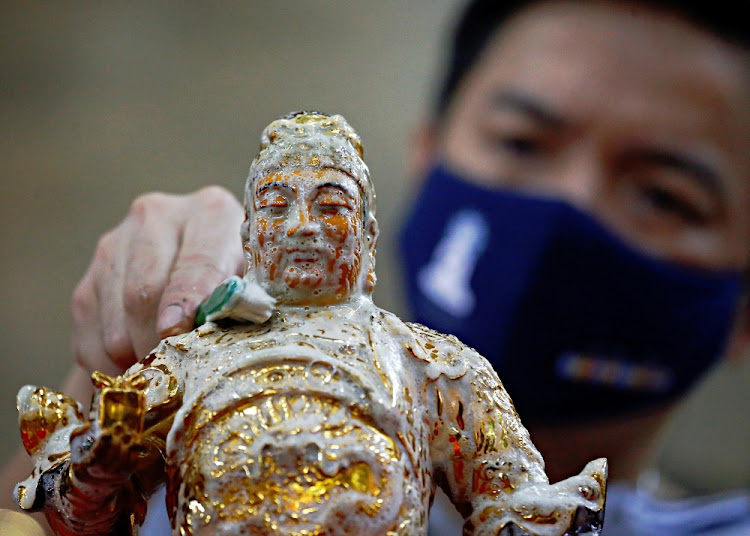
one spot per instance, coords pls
(306, 235)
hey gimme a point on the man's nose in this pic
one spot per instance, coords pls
(301, 223)
(578, 179)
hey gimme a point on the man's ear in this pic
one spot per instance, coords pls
(423, 149)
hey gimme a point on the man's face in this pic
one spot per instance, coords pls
(306, 235)
(637, 117)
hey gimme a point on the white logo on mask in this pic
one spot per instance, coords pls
(446, 279)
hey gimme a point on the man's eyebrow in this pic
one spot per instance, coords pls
(518, 101)
(273, 185)
(702, 173)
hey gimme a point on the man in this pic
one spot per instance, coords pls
(630, 114)
(330, 416)
(590, 125)
(635, 119)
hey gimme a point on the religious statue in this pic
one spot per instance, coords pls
(299, 407)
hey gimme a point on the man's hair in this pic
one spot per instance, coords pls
(480, 20)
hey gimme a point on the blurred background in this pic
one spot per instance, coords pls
(102, 101)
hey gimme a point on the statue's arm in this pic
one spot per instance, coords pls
(486, 463)
(88, 472)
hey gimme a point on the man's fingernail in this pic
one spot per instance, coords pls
(170, 320)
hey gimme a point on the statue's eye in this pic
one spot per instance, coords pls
(273, 201)
(333, 201)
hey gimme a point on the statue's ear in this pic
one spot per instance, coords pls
(245, 232)
(371, 235)
(371, 238)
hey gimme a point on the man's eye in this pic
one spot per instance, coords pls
(673, 204)
(520, 145)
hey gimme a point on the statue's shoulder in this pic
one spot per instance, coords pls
(210, 335)
(435, 339)
(442, 354)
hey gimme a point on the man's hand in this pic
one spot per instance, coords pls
(149, 274)
(18, 524)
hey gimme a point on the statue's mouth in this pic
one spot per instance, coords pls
(304, 254)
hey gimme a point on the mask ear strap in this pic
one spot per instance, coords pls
(738, 347)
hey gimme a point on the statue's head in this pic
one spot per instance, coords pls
(310, 231)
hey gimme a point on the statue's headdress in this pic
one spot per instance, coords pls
(313, 140)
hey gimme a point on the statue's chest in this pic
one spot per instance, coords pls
(295, 418)
(355, 365)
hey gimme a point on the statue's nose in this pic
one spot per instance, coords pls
(300, 222)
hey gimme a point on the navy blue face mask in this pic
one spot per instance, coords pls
(576, 322)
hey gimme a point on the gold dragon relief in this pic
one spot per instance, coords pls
(292, 460)
(293, 463)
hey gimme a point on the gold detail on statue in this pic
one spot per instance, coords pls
(182, 346)
(122, 402)
(533, 516)
(51, 411)
(241, 449)
(309, 488)
(485, 437)
(123, 383)
(490, 512)
(22, 493)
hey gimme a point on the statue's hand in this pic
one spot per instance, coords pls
(110, 448)
(104, 456)
(149, 274)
